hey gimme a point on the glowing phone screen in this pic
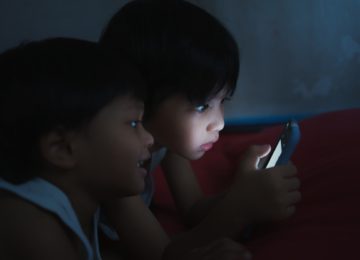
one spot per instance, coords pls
(275, 156)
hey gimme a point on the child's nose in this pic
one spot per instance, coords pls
(217, 121)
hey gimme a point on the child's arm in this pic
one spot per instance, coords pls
(267, 193)
(27, 232)
(184, 187)
(223, 248)
(140, 234)
(142, 237)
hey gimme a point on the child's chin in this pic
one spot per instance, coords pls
(191, 155)
(196, 155)
(136, 190)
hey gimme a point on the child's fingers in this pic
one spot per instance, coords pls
(290, 211)
(286, 212)
(223, 246)
(287, 171)
(222, 243)
(293, 198)
(252, 157)
(292, 184)
(227, 249)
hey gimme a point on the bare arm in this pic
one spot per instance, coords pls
(27, 232)
(143, 238)
(189, 198)
(139, 232)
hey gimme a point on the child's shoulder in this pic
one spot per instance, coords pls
(20, 211)
(27, 230)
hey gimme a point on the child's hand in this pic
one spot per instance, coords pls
(224, 249)
(265, 195)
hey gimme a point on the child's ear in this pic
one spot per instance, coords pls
(57, 148)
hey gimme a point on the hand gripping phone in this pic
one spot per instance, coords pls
(285, 147)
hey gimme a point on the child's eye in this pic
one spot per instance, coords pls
(135, 123)
(201, 108)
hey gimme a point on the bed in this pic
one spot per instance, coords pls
(326, 224)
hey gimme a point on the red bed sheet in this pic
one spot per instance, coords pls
(326, 224)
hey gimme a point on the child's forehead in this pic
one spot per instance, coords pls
(220, 94)
(184, 99)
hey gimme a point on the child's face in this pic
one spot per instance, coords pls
(186, 129)
(114, 146)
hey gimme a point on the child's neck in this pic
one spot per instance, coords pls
(85, 208)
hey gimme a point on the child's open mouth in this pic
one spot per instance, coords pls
(142, 166)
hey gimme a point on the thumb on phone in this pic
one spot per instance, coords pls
(252, 157)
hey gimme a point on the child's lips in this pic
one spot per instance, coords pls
(142, 171)
(143, 165)
(207, 147)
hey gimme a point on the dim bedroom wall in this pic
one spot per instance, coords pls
(297, 57)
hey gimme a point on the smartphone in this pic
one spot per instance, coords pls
(285, 146)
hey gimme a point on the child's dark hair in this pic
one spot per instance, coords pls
(178, 47)
(54, 84)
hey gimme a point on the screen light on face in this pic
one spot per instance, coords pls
(275, 156)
